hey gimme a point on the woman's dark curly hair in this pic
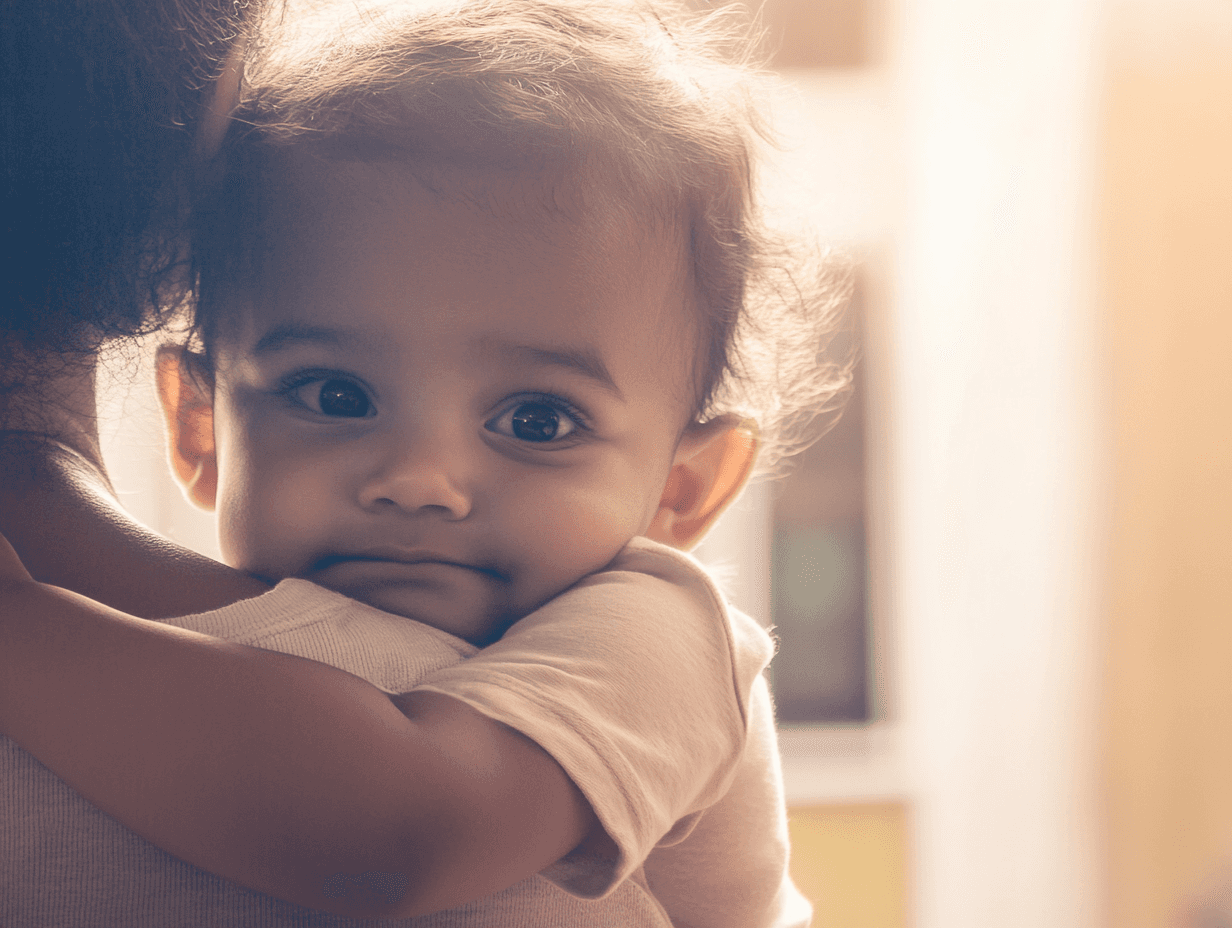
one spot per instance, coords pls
(97, 107)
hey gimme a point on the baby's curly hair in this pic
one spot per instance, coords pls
(647, 98)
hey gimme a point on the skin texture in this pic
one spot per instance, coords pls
(136, 715)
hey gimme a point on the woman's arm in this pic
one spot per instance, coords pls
(61, 515)
(292, 777)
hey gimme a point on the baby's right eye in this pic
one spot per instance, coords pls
(332, 396)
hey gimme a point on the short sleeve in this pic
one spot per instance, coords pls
(637, 681)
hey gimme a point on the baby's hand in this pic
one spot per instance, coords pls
(11, 567)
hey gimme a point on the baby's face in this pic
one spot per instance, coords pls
(450, 412)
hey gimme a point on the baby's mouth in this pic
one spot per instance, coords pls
(395, 563)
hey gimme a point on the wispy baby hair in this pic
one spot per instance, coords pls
(646, 97)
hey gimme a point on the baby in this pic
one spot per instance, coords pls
(484, 303)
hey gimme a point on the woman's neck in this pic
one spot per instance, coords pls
(60, 513)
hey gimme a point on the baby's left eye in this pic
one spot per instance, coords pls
(533, 421)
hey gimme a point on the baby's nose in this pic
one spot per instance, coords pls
(424, 478)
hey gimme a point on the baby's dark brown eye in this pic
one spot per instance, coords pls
(343, 398)
(535, 422)
(539, 422)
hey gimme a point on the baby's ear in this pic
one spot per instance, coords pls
(712, 465)
(187, 396)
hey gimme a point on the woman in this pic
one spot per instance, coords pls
(97, 105)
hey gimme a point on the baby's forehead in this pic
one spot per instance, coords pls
(319, 211)
(313, 204)
(540, 193)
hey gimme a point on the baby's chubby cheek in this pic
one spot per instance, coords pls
(271, 527)
(580, 531)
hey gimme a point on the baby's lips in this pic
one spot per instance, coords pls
(395, 566)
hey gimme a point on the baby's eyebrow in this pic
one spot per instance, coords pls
(283, 336)
(583, 360)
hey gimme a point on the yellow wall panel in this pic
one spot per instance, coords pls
(851, 861)
(1167, 234)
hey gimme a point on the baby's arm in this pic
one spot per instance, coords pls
(637, 681)
(286, 775)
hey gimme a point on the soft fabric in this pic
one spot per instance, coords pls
(691, 795)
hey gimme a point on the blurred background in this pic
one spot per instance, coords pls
(1003, 583)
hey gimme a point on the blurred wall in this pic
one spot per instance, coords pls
(1166, 224)
(985, 475)
(996, 471)
(849, 818)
